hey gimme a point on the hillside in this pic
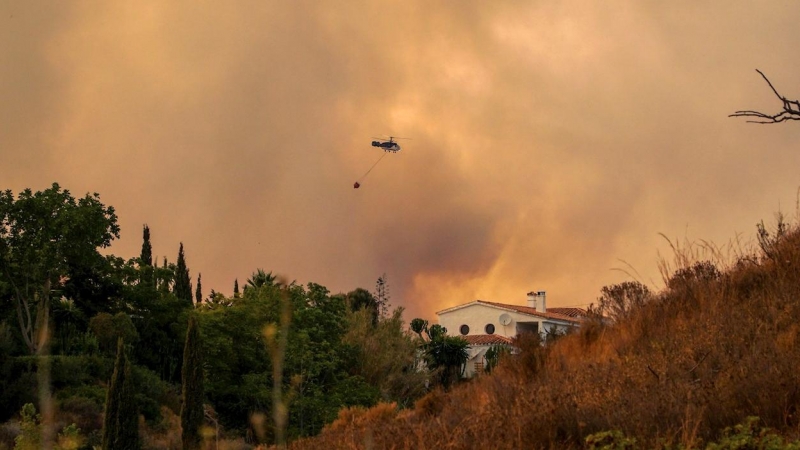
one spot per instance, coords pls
(716, 346)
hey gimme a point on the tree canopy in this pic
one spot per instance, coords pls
(43, 237)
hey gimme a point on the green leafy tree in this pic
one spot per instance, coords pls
(386, 356)
(192, 388)
(110, 329)
(166, 277)
(236, 293)
(121, 419)
(30, 436)
(41, 235)
(183, 284)
(360, 298)
(419, 326)
(494, 355)
(316, 380)
(445, 355)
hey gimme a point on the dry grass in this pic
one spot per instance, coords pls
(711, 349)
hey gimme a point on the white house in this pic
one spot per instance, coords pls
(484, 324)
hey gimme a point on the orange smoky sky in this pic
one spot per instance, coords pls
(551, 141)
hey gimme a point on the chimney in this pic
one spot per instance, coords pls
(537, 300)
(540, 303)
(532, 299)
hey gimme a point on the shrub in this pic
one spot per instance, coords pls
(748, 435)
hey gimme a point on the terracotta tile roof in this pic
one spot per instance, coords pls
(533, 312)
(486, 339)
(576, 313)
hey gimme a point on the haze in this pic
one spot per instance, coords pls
(551, 141)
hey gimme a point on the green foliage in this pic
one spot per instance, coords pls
(192, 388)
(748, 435)
(745, 436)
(444, 355)
(43, 237)
(69, 438)
(317, 370)
(418, 326)
(494, 355)
(339, 351)
(153, 393)
(146, 257)
(183, 283)
(121, 422)
(198, 293)
(260, 279)
(30, 437)
(159, 318)
(110, 329)
(436, 331)
(610, 440)
(385, 356)
(362, 299)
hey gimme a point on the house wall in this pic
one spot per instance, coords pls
(477, 316)
(477, 354)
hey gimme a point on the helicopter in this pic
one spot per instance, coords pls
(388, 146)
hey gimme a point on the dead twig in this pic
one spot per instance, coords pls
(698, 363)
(655, 374)
(791, 109)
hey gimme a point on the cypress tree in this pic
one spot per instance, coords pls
(236, 288)
(146, 271)
(183, 284)
(192, 389)
(164, 279)
(198, 294)
(121, 421)
(147, 249)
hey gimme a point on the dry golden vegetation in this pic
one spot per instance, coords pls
(713, 348)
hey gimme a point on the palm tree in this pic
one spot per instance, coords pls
(443, 353)
(261, 278)
(449, 354)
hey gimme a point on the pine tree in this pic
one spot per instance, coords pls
(198, 294)
(146, 259)
(192, 388)
(121, 421)
(236, 288)
(183, 284)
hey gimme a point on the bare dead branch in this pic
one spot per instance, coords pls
(698, 363)
(791, 108)
(655, 374)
